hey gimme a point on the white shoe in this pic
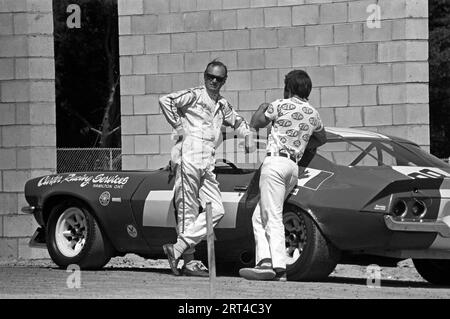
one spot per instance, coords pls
(257, 273)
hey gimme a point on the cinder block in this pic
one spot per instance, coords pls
(334, 96)
(278, 17)
(363, 95)
(8, 249)
(236, 39)
(171, 63)
(314, 98)
(209, 4)
(8, 112)
(39, 113)
(8, 158)
(158, 84)
(232, 98)
(170, 23)
(223, 20)
(274, 94)
(291, 37)
(6, 24)
(393, 9)
(305, 56)
(392, 94)
(146, 104)
(236, 4)
(126, 65)
(146, 144)
(196, 21)
(278, 58)
(411, 114)
(15, 91)
(403, 51)
(132, 125)
(157, 43)
(348, 75)
(333, 13)
(130, 7)
(321, 76)
(40, 46)
(166, 143)
(333, 55)
(14, 181)
(17, 135)
(1, 181)
(146, 24)
(134, 162)
(210, 41)
(196, 61)
(264, 79)
(357, 10)
(184, 42)
(42, 91)
(156, 6)
(13, 5)
(305, 15)
(362, 53)
(239, 80)
(33, 23)
(126, 105)
(37, 157)
(26, 252)
(184, 81)
(417, 93)
(349, 117)
(1, 224)
(157, 161)
(384, 33)
(250, 18)
(410, 29)
(416, 8)
(125, 25)
(410, 72)
(229, 58)
(43, 135)
(419, 134)
(132, 84)
(327, 116)
(377, 73)
(131, 45)
(35, 68)
(263, 38)
(348, 33)
(319, 34)
(127, 144)
(250, 59)
(14, 46)
(263, 3)
(8, 203)
(183, 5)
(250, 100)
(157, 124)
(290, 2)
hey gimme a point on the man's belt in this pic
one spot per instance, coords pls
(291, 157)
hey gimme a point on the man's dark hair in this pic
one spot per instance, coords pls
(299, 83)
(214, 63)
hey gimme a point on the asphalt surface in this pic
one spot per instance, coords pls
(134, 277)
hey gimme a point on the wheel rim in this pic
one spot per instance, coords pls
(71, 232)
(295, 235)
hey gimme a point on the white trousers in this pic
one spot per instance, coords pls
(279, 175)
(195, 185)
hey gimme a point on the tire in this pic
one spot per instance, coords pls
(73, 236)
(312, 257)
(434, 271)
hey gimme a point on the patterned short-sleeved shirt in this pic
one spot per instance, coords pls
(293, 123)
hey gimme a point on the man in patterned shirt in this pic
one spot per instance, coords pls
(296, 125)
(197, 116)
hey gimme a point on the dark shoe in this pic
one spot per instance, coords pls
(257, 273)
(173, 262)
(195, 269)
(280, 275)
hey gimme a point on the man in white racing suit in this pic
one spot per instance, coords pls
(197, 116)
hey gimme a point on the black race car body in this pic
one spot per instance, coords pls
(361, 194)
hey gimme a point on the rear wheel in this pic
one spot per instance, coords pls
(433, 270)
(74, 237)
(310, 256)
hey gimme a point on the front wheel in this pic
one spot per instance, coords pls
(310, 257)
(74, 237)
(433, 270)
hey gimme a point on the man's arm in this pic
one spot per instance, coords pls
(259, 119)
(317, 139)
(170, 104)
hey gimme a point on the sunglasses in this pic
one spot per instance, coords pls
(218, 78)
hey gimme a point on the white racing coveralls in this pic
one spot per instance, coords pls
(196, 117)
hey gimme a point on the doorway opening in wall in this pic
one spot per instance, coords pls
(87, 85)
(439, 61)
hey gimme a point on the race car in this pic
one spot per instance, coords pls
(362, 198)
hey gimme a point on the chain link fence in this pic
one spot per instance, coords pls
(88, 159)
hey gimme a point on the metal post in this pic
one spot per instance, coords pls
(211, 254)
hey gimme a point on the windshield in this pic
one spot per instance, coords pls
(376, 152)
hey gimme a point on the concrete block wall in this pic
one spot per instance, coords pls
(27, 116)
(373, 78)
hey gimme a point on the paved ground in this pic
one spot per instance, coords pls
(134, 277)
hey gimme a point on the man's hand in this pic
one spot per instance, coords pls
(178, 134)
